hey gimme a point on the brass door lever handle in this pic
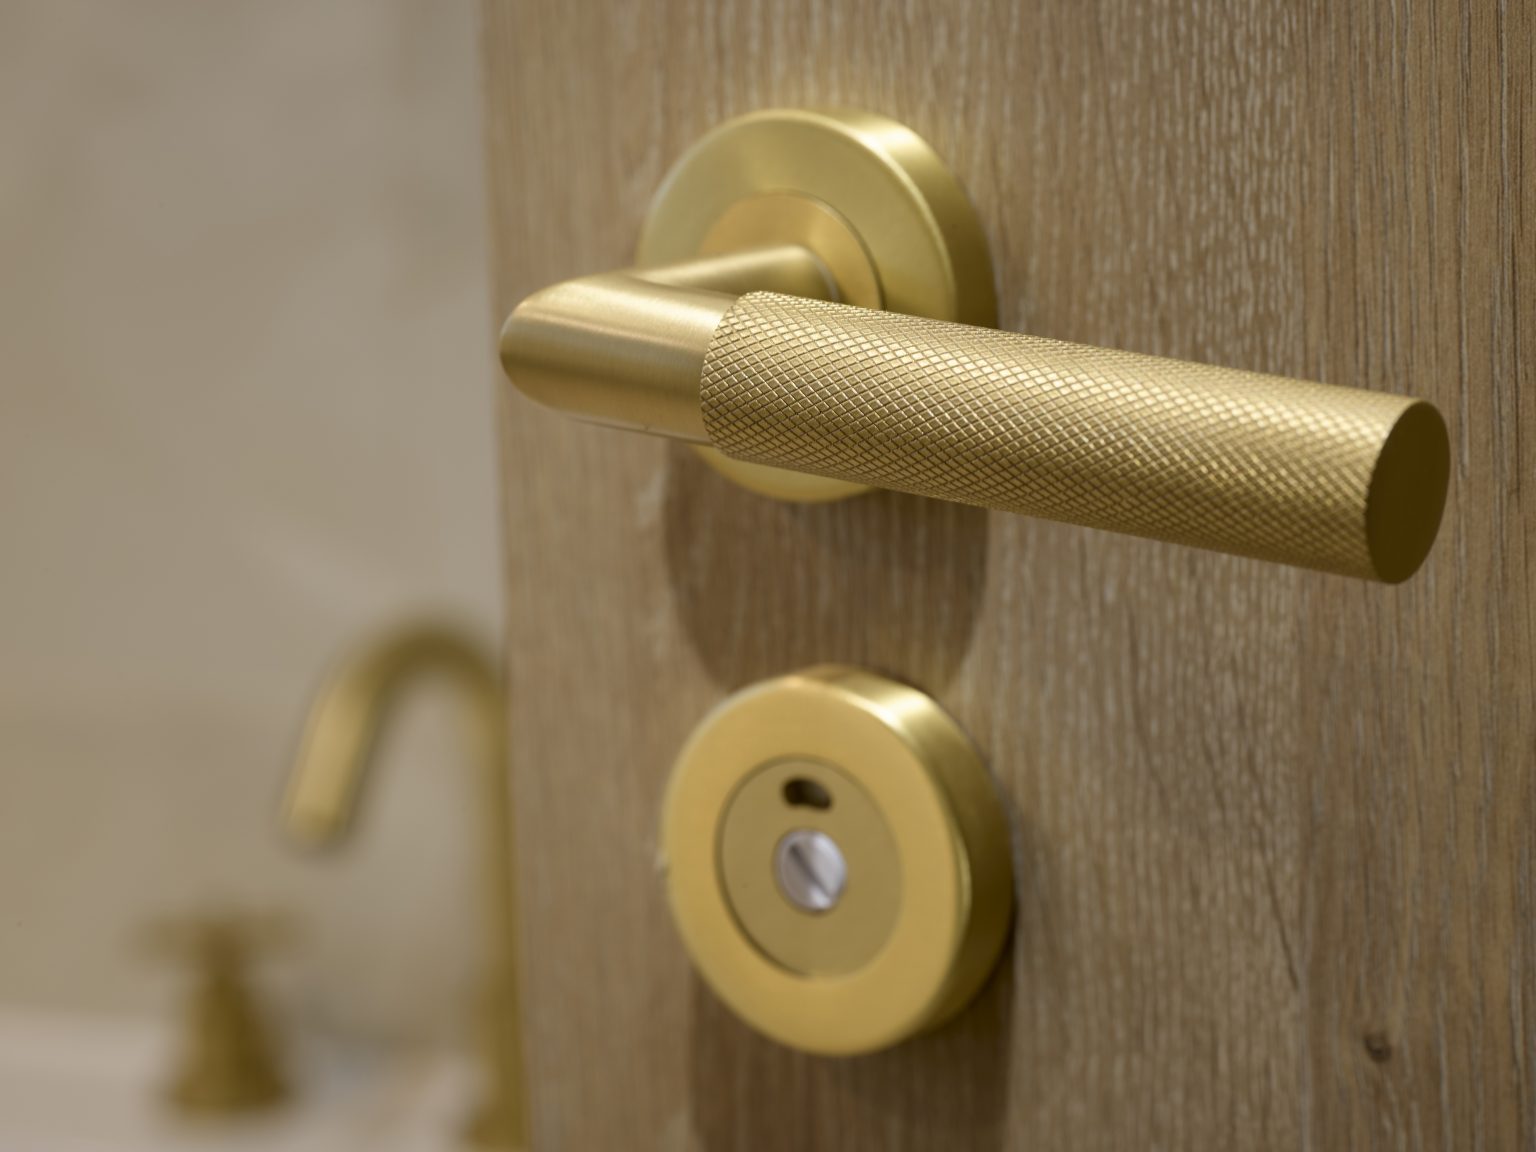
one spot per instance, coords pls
(749, 352)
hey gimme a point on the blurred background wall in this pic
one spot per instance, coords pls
(245, 416)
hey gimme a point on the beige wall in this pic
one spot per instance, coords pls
(245, 397)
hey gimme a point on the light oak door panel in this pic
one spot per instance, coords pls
(1273, 830)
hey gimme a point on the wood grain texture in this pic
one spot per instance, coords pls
(1419, 896)
(1273, 830)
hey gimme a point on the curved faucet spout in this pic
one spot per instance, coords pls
(345, 724)
(357, 702)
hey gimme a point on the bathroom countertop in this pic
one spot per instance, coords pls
(82, 1084)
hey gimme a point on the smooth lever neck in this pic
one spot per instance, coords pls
(627, 349)
(341, 737)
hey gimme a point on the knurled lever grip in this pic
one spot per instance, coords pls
(1339, 479)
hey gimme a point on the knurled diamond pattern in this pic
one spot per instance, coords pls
(1235, 461)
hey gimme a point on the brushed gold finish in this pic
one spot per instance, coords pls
(880, 181)
(758, 816)
(612, 350)
(1319, 476)
(875, 203)
(778, 218)
(789, 219)
(344, 726)
(929, 891)
(229, 1064)
(620, 350)
(1337, 479)
(779, 483)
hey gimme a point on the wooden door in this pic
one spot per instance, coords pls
(1274, 830)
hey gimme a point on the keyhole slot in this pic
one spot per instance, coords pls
(803, 793)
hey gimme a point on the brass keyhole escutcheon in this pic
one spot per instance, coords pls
(837, 860)
(775, 869)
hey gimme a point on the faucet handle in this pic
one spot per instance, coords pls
(228, 1062)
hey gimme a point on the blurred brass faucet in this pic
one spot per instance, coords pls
(339, 741)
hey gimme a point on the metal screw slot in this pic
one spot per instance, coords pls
(811, 870)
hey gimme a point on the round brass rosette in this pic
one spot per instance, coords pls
(866, 194)
(896, 910)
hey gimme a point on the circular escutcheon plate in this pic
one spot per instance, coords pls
(868, 195)
(884, 773)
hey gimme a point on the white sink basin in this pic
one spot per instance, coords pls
(88, 1085)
